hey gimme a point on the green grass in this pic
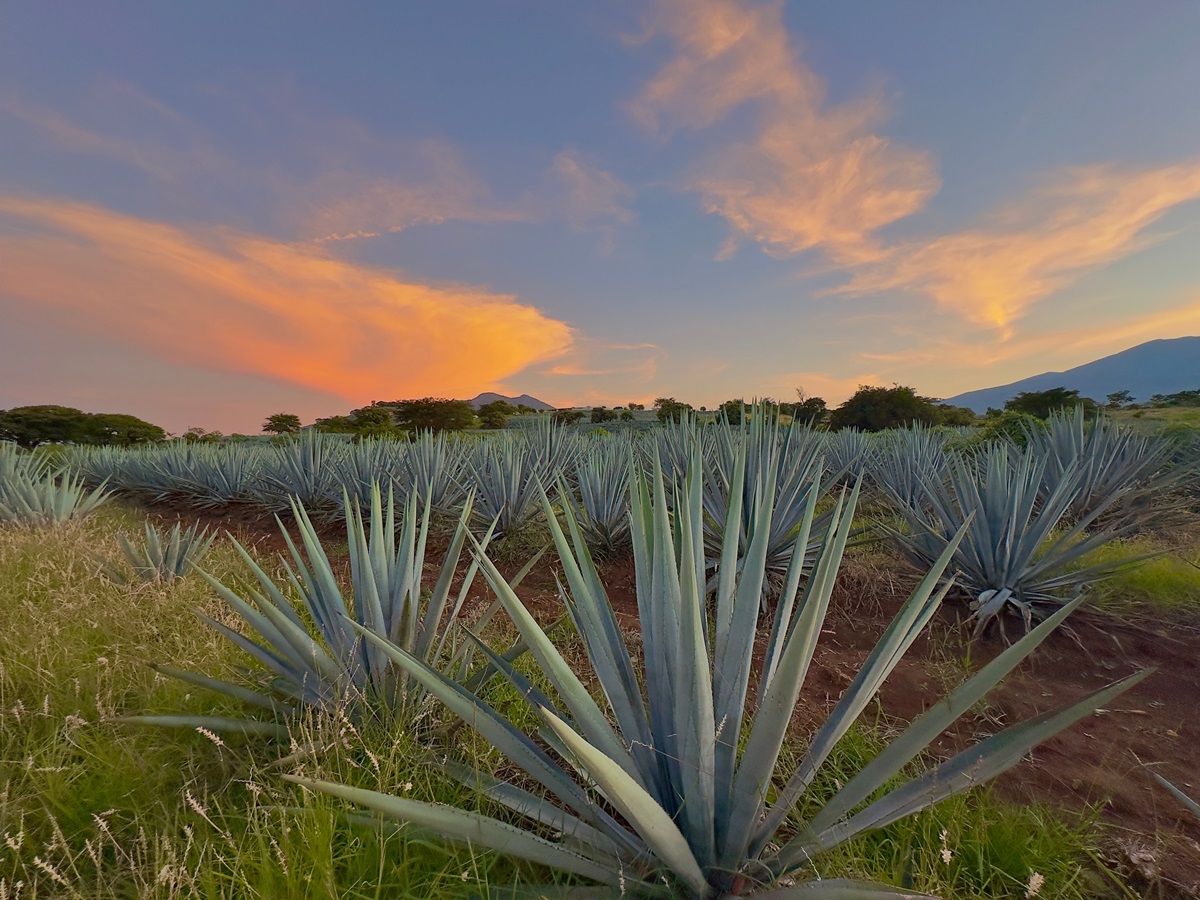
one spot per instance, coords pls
(1169, 582)
(91, 807)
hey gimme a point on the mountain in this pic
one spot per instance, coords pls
(488, 397)
(1155, 367)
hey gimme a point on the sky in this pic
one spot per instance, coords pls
(214, 212)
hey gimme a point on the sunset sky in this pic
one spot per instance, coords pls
(211, 212)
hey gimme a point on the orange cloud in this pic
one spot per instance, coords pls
(811, 175)
(1083, 219)
(237, 303)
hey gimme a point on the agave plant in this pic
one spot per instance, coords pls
(164, 556)
(507, 479)
(602, 481)
(17, 463)
(1112, 461)
(667, 785)
(305, 469)
(433, 470)
(334, 668)
(49, 498)
(785, 464)
(912, 458)
(1014, 554)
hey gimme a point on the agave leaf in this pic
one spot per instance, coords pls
(472, 828)
(979, 763)
(646, 816)
(238, 692)
(503, 735)
(934, 721)
(1188, 803)
(898, 637)
(575, 696)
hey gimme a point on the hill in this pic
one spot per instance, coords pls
(488, 397)
(1155, 367)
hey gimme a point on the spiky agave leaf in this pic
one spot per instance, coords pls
(665, 750)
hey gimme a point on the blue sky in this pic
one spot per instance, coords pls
(213, 212)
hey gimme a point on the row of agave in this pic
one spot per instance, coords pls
(1034, 511)
(665, 782)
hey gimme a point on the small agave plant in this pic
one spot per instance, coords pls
(164, 556)
(668, 785)
(334, 668)
(47, 498)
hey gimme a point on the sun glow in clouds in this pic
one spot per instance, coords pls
(236, 303)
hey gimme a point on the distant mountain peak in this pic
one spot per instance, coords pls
(524, 400)
(1163, 366)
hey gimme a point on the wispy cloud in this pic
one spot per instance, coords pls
(341, 182)
(239, 303)
(1079, 220)
(590, 194)
(811, 174)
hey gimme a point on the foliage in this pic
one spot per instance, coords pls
(432, 414)
(1113, 462)
(602, 510)
(496, 413)
(1012, 426)
(33, 425)
(38, 498)
(668, 409)
(282, 423)
(1042, 403)
(601, 414)
(1010, 550)
(164, 557)
(566, 416)
(879, 408)
(806, 410)
(335, 669)
(782, 470)
(691, 790)
(1117, 399)
(1179, 398)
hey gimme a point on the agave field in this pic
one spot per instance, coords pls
(705, 660)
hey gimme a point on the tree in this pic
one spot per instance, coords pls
(566, 416)
(432, 414)
(282, 423)
(879, 408)
(197, 435)
(956, 415)
(626, 415)
(120, 430)
(600, 415)
(672, 410)
(33, 425)
(1118, 399)
(1042, 403)
(496, 413)
(637, 405)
